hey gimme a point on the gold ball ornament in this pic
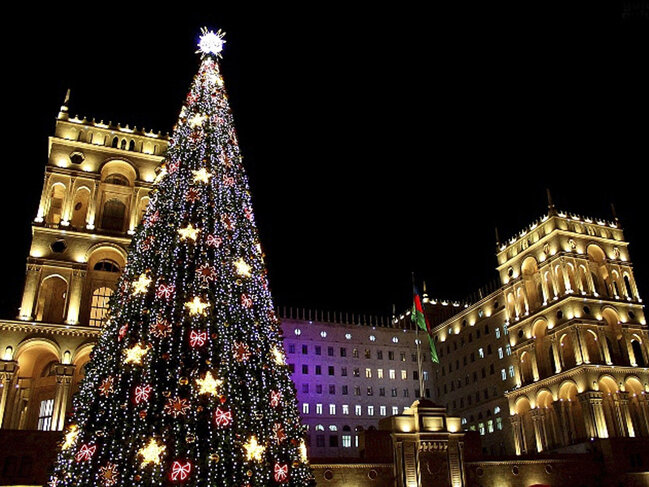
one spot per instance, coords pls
(190, 438)
(199, 408)
(214, 457)
(249, 473)
(166, 393)
(183, 381)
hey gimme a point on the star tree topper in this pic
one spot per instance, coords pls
(211, 43)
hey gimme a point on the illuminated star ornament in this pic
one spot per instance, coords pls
(201, 176)
(211, 43)
(176, 407)
(70, 437)
(241, 351)
(106, 386)
(209, 385)
(109, 474)
(254, 451)
(243, 269)
(197, 306)
(151, 453)
(141, 285)
(278, 355)
(161, 328)
(135, 354)
(197, 120)
(189, 232)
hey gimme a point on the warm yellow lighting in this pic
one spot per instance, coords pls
(151, 453)
(70, 437)
(189, 232)
(208, 384)
(278, 355)
(303, 453)
(141, 285)
(135, 354)
(201, 176)
(160, 176)
(254, 451)
(197, 306)
(243, 269)
(9, 353)
(197, 120)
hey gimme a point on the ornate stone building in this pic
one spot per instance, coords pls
(557, 356)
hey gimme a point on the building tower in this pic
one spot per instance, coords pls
(561, 346)
(97, 180)
(577, 331)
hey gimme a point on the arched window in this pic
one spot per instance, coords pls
(115, 142)
(106, 266)
(51, 300)
(56, 204)
(131, 145)
(113, 216)
(99, 305)
(627, 284)
(117, 179)
(123, 144)
(80, 208)
(637, 351)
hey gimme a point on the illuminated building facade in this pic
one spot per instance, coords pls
(558, 355)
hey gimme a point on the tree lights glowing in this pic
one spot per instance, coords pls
(188, 382)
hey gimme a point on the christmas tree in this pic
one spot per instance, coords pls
(188, 382)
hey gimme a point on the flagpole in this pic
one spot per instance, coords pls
(418, 342)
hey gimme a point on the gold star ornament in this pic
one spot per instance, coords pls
(243, 269)
(189, 232)
(254, 451)
(70, 437)
(197, 306)
(135, 354)
(197, 120)
(278, 355)
(201, 176)
(209, 385)
(142, 284)
(151, 453)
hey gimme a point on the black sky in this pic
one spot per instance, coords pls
(377, 141)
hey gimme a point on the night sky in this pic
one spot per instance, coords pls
(377, 141)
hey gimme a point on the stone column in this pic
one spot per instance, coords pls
(133, 213)
(76, 291)
(538, 432)
(66, 212)
(621, 401)
(582, 346)
(592, 289)
(32, 280)
(546, 292)
(7, 370)
(92, 207)
(643, 403)
(44, 202)
(601, 338)
(576, 345)
(20, 399)
(594, 419)
(516, 429)
(629, 349)
(535, 365)
(566, 278)
(555, 353)
(559, 410)
(64, 375)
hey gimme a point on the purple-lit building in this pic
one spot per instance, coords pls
(349, 375)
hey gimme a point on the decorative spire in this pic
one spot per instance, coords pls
(614, 213)
(63, 112)
(551, 209)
